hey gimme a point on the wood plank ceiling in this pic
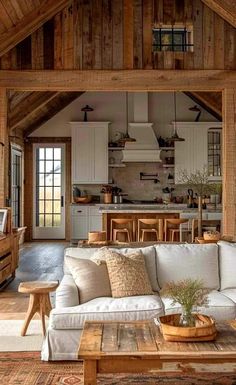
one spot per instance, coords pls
(122, 39)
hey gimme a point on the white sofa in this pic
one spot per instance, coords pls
(215, 264)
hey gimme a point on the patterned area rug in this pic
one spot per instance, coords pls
(27, 369)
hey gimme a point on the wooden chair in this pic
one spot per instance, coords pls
(123, 226)
(175, 229)
(142, 231)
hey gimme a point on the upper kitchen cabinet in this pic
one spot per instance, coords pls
(89, 152)
(201, 148)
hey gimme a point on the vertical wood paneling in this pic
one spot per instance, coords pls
(97, 33)
(169, 62)
(208, 38)
(138, 34)
(107, 34)
(87, 35)
(58, 41)
(37, 47)
(24, 54)
(229, 164)
(147, 33)
(68, 35)
(188, 11)
(168, 11)
(179, 60)
(197, 34)
(219, 53)
(179, 11)
(78, 34)
(230, 47)
(128, 34)
(48, 44)
(157, 12)
(3, 143)
(117, 34)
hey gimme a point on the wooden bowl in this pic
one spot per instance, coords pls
(85, 199)
(204, 330)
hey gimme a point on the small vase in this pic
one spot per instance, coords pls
(187, 318)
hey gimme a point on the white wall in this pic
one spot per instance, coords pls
(111, 106)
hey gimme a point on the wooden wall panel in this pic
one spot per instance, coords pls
(229, 165)
(115, 34)
(3, 145)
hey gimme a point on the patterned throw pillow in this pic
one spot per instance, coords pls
(128, 274)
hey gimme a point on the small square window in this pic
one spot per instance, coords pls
(172, 39)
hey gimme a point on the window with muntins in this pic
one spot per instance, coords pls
(172, 39)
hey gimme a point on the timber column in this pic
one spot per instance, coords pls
(3, 144)
(229, 163)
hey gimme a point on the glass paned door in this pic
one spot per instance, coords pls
(49, 211)
(16, 186)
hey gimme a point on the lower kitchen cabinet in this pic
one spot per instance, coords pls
(83, 220)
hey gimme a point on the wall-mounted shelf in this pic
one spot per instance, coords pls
(115, 148)
(117, 165)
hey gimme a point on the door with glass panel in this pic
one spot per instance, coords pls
(49, 187)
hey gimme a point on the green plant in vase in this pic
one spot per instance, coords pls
(190, 294)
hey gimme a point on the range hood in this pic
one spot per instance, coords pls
(146, 146)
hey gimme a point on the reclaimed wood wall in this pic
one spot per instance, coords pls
(116, 34)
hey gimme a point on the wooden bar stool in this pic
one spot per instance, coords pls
(175, 229)
(123, 226)
(39, 300)
(142, 231)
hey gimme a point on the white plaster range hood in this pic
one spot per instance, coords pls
(146, 146)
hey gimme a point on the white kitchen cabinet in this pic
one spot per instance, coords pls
(89, 152)
(84, 219)
(192, 154)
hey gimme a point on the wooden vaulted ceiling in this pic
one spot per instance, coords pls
(20, 18)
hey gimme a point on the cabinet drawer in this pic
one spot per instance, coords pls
(79, 210)
(5, 261)
(93, 210)
(5, 273)
(5, 245)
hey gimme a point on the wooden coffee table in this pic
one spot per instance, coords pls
(138, 347)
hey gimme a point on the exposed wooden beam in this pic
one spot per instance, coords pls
(55, 105)
(208, 101)
(32, 103)
(115, 80)
(30, 23)
(229, 165)
(3, 145)
(224, 8)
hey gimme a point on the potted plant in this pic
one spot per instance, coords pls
(190, 294)
(199, 182)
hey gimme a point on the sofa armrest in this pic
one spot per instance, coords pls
(67, 293)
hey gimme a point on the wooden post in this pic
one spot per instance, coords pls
(229, 164)
(3, 144)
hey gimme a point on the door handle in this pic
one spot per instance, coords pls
(62, 201)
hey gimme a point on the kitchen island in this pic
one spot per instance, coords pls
(153, 211)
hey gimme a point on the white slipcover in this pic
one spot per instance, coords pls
(227, 262)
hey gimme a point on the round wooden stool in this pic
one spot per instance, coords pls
(39, 300)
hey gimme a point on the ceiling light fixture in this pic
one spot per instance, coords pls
(196, 109)
(175, 137)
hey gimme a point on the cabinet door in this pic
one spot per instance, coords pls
(100, 149)
(79, 227)
(95, 223)
(82, 155)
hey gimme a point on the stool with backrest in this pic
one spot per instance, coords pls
(122, 226)
(173, 227)
(148, 226)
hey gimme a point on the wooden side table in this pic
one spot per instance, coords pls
(39, 301)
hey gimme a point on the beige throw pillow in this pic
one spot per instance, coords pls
(92, 280)
(128, 274)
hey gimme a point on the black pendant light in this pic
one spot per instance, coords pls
(126, 137)
(86, 109)
(175, 137)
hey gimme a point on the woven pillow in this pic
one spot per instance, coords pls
(92, 280)
(128, 275)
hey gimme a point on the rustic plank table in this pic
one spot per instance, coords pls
(138, 347)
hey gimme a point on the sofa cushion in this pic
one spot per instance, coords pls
(149, 253)
(219, 306)
(67, 293)
(128, 274)
(91, 279)
(176, 262)
(227, 262)
(106, 308)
